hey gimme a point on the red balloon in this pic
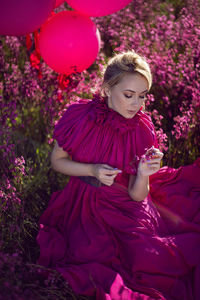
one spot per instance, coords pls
(97, 8)
(58, 3)
(19, 17)
(69, 42)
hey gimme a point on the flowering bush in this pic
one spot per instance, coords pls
(22, 280)
(33, 97)
(168, 35)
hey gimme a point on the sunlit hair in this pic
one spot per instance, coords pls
(125, 63)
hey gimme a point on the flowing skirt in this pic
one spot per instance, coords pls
(109, 246)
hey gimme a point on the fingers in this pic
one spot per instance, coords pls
(155, 166)
(155, 156)
(158, 155)
(153, 160)
(105, 173)
(109, 175)
(110, 170)
(108, 178)
(107, 167)
(152, 152)
(105, 176)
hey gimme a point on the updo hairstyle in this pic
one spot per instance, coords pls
(125, 63)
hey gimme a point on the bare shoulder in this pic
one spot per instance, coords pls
(58, 152)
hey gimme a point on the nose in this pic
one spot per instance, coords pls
(134, 102)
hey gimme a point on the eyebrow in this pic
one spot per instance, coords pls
(134, 91)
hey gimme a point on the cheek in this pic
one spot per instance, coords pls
(119, 101)
(124, 103)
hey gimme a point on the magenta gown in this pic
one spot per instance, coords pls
(104, 243)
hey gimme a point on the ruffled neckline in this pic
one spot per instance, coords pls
(102, 114)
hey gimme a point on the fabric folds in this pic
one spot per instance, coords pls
(104, 243)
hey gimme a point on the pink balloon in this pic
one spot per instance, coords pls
(58, 3)
(69, 42)
(19, 17)
(97, 8)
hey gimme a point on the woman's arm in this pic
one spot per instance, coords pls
(138, 187)
(61, 162)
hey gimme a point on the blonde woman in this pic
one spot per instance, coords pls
(107, 232)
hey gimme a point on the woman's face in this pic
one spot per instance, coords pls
(128, 95)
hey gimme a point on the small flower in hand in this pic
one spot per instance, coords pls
(150, 162)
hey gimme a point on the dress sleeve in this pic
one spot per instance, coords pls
(68, 131)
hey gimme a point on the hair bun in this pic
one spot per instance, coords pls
(131, 66)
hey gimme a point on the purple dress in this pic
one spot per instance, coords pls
(103, 242)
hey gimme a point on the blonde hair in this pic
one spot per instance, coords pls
(125, 63)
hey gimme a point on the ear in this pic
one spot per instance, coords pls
(107, 91)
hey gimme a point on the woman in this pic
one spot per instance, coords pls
(111, 232)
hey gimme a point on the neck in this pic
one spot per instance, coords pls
(108, 102)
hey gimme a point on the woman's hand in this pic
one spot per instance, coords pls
(150, 162)
(105, 173)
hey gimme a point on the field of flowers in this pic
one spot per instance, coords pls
(33, 98)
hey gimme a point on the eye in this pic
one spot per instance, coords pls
(143, 97)
(128, 96)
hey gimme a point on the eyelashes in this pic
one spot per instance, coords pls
(141, 97)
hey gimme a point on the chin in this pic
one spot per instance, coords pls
(130, 116)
